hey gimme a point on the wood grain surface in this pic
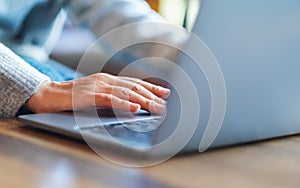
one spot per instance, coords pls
(30, 157)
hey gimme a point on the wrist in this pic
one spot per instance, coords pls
(50, 97)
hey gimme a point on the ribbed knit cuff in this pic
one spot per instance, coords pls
(18, 81)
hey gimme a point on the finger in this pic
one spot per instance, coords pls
(147, 104)
(111, 101)
(157, 90)
(136, 87)
(156, 94)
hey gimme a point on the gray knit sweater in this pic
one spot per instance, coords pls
(31, 27)
(18, 81)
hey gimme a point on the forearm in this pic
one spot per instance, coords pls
(18, 81)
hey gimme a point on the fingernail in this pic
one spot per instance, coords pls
(168, 92)
(134, 107)
(160, 101)
(160, 108)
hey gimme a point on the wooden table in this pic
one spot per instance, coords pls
(33, 158)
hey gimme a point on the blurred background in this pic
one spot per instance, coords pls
(69, 51)
(178, 12)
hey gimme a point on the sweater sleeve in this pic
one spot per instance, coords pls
(18, 81)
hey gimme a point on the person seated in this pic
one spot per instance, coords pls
(30, 80)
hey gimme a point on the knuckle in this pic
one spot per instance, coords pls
(107, 89)
(156, 89)
(106, 98)
(147, 103)
(153, 88)
(137, 87)
(123, 103)
(126, 91)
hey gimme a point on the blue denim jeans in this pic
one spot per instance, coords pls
(54, 70)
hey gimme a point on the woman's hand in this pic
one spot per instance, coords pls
(99, 90)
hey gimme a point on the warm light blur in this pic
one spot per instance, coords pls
(174, 10)
(154, 4)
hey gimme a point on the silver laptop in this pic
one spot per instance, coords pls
(257, 46)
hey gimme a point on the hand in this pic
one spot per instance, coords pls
(99, 90)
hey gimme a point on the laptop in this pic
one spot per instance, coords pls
(246, 88)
